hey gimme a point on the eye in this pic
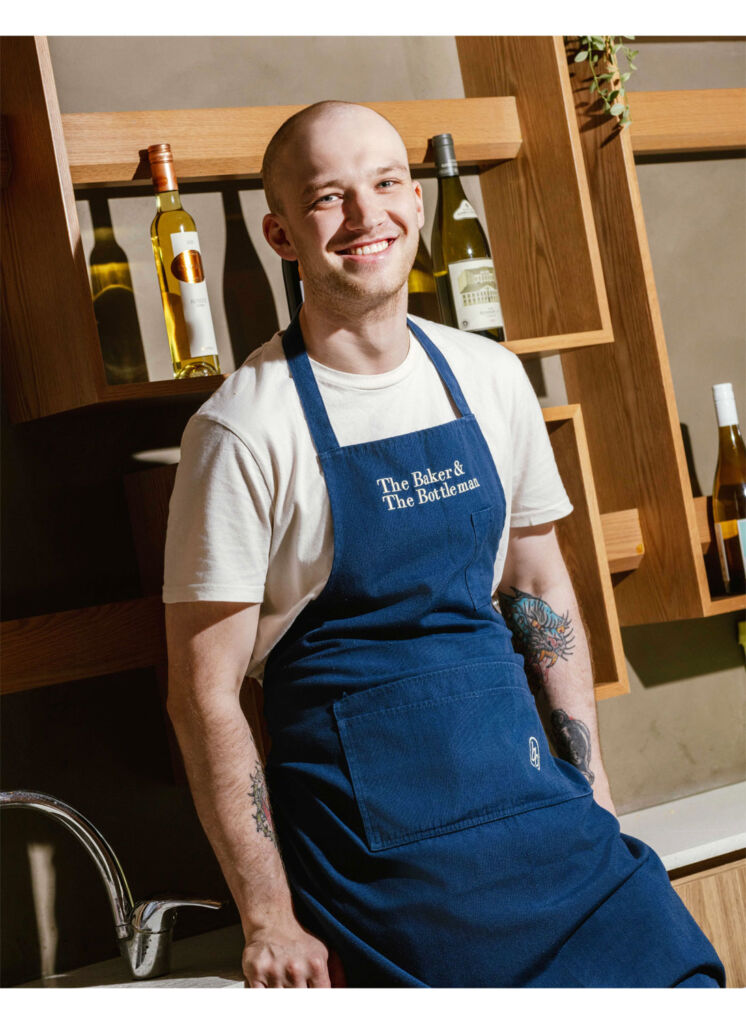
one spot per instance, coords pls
(387, 182)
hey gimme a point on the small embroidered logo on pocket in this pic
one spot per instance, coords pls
(533, 753)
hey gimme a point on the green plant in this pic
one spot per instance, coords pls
(610, 83)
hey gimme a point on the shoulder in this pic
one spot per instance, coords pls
(477, 361)
(251, 401)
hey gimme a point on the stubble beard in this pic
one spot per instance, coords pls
(343, 295)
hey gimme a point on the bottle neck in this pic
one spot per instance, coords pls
(445, 157)
(725, 405)
(168, 200)
(730, 435)
(451, 186)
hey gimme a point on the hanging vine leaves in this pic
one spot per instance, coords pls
(610, 83)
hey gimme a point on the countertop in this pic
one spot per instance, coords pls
(682, 832)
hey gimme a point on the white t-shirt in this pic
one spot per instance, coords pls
(249, 517)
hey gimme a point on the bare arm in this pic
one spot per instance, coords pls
(209, 648)
(538, 603)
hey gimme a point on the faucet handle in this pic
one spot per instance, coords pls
(159, 914)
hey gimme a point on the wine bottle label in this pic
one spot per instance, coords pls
(475, 297)
(187, 269)
(732, 532)
(465, 211)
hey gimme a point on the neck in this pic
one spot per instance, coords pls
(372, 341)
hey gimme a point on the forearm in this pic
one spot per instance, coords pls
(230, 795)
(548, 631)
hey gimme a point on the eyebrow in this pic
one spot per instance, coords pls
(318, 186)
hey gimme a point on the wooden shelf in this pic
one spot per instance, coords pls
(82, 643)
(229, 142)
(713, 604)
(51, 352)
(687, 121)
(623, 539)
(160, 388)
(62, 647)
(539, 216)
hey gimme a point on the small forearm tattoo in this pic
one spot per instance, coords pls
(539, 633)
(260, 799)
(572, 738)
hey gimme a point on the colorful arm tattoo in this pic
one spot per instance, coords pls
(260, 799)
(572, 739)
(539, 633)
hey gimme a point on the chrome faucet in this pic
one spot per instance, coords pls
(144, 929)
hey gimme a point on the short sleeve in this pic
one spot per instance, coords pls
(219, 525)
(538, 495)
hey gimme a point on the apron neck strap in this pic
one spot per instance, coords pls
(323, 435)
(441, 365)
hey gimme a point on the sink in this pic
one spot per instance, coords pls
(210, 960)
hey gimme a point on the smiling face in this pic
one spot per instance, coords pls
(348, 210)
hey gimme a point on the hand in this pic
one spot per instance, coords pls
(287, 956)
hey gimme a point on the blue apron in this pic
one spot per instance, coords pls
(428, 833)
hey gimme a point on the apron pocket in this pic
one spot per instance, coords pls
(436, 753)
(479, 571)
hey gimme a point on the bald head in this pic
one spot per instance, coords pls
(294, 131)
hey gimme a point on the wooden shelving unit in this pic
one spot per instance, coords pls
(87, 642)
(691, 121)
(51, 349)
(568, 238)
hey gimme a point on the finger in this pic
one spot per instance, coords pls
(336, 970)
(318, 972)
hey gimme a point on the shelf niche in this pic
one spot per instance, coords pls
(51, 352)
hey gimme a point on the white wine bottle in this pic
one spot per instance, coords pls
(729, 492)
(293, 286)
(464, 271)
(181, 277)
(423, 300)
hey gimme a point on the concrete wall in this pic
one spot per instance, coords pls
(100, 744)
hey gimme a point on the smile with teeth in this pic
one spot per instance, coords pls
(368, 250)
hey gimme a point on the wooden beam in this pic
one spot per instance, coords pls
(687, 120)
(229, 142)
(50, 349)
(582, 540)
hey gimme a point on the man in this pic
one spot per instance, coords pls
(345, 506)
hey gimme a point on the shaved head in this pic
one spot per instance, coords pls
(292, 131)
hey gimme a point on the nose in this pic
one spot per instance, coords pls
(363, 212)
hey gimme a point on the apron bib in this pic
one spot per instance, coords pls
(428, 834)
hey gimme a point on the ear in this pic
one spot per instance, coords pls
(420, 204)
(276, 235)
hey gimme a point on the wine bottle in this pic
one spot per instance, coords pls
(178, 261)
(114, 301)
(293, 286)
(464, 271)
(423, 300)
(729, 492)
